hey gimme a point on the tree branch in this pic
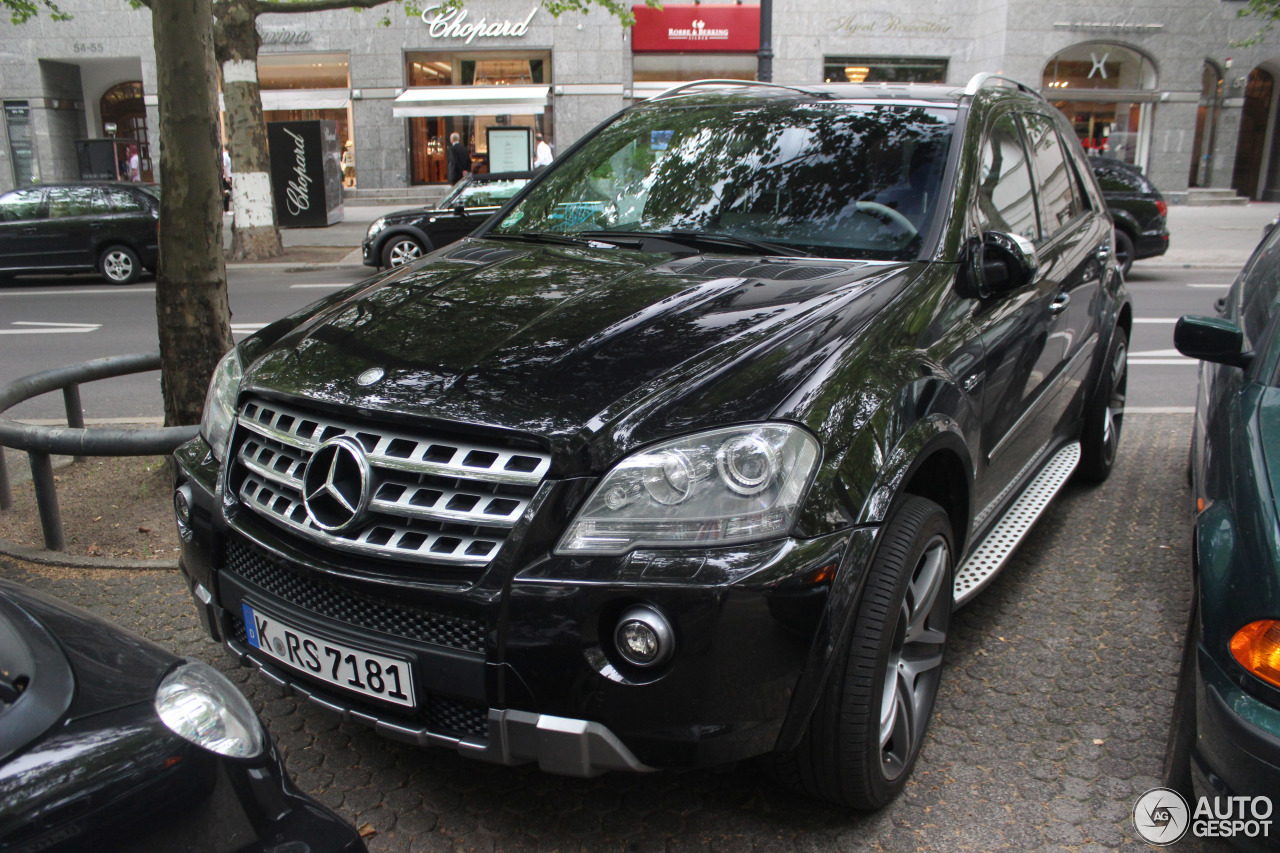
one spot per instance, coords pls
(287, 7)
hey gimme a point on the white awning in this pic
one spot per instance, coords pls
(305, 99)
(437, 101)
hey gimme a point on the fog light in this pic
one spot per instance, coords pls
(1257, 647)
(644, 637)
(182, 511)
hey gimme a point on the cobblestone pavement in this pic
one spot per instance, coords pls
(1051, 720)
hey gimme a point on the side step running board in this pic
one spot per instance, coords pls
(993, 552)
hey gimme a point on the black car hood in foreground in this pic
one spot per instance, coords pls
(563, 342)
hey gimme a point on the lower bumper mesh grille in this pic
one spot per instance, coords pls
(361, 611)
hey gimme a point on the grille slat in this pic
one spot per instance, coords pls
(432, 499)
(331, 601)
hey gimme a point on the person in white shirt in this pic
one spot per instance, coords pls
(542, 156)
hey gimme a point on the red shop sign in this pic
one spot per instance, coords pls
(696, 29)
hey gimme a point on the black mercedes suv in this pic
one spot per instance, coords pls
(689, 452)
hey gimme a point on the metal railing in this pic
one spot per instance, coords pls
(42, 442)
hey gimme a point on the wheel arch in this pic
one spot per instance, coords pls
(931, 460)
(402, 231)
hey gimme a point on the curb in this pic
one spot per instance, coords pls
(70, 561)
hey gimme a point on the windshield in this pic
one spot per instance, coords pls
(832, 179)
(483, 193)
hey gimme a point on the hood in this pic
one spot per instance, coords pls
(565, 342)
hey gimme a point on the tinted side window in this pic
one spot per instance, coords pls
(20, 205)
(1005, 199)
(70, 201)
(1056, 194)
(123, 201)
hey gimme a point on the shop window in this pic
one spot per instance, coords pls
(884, 69)
(429, 135)
(303, 71)
(1119, 128)
(17, 121)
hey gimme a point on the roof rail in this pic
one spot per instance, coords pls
(680, 87)
(983, 79)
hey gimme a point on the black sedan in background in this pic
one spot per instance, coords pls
(407, 235)
(1136, 206)
(110, 743)
(108, 227)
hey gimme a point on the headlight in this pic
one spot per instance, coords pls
(733, 485)
(220, 404)
(376, 227)
(200, 705)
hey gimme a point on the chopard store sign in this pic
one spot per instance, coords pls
(453, 24)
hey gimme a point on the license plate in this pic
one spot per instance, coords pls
(378, 676)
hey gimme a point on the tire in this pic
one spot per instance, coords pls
(1182, 726)
(1104, 414)
(400, 250)
(119, 265)
(1124, 251)
(868, 728)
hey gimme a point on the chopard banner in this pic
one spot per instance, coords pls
(696, 29)
(453, 24)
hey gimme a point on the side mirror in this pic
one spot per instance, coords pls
(1211, 339)
(1000, 262)
(460, 209)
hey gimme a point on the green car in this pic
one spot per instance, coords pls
(1225, 737)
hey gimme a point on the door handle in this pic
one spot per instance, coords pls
(30, 229)
(1104, 252)
(1058, 305)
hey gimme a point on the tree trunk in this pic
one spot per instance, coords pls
(254, 235)
(192, 314)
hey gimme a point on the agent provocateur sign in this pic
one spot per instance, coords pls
(453, 24)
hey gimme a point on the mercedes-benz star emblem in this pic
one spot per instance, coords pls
(336, 484)
(370, 376)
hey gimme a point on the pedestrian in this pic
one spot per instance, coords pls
(543, 156)
(226, 180)
(459, 159)
(135, 164)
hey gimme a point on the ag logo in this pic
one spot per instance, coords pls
(1161, 816)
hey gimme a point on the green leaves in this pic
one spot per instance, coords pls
(21, 11)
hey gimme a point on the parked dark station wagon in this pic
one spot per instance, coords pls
(688, 454)
(107, 227)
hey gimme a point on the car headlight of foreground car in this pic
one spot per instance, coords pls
(728, 486)
(220, 404)
(376, 227)
(200, 705)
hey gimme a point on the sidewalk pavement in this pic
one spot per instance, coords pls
(1198, 236)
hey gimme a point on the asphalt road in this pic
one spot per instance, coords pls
(49, 321)
(1051, 719)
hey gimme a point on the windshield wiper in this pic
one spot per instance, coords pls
(698, 238)
(576, 239)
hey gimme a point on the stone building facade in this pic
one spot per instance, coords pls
(1159, 84)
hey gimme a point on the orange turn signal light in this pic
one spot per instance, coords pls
(1257, 647)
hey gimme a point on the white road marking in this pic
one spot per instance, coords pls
(1155, 319)
(306, 286)
(1149, 362)
(1211, 286)
(246, 328)
(50, 328)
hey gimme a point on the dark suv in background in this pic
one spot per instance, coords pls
(108, 227)
(1138, 208)
(688, 454)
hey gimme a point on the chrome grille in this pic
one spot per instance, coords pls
(432, 499)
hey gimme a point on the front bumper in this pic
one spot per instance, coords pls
(367, 254)
(517, 666)
(1237, 750)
